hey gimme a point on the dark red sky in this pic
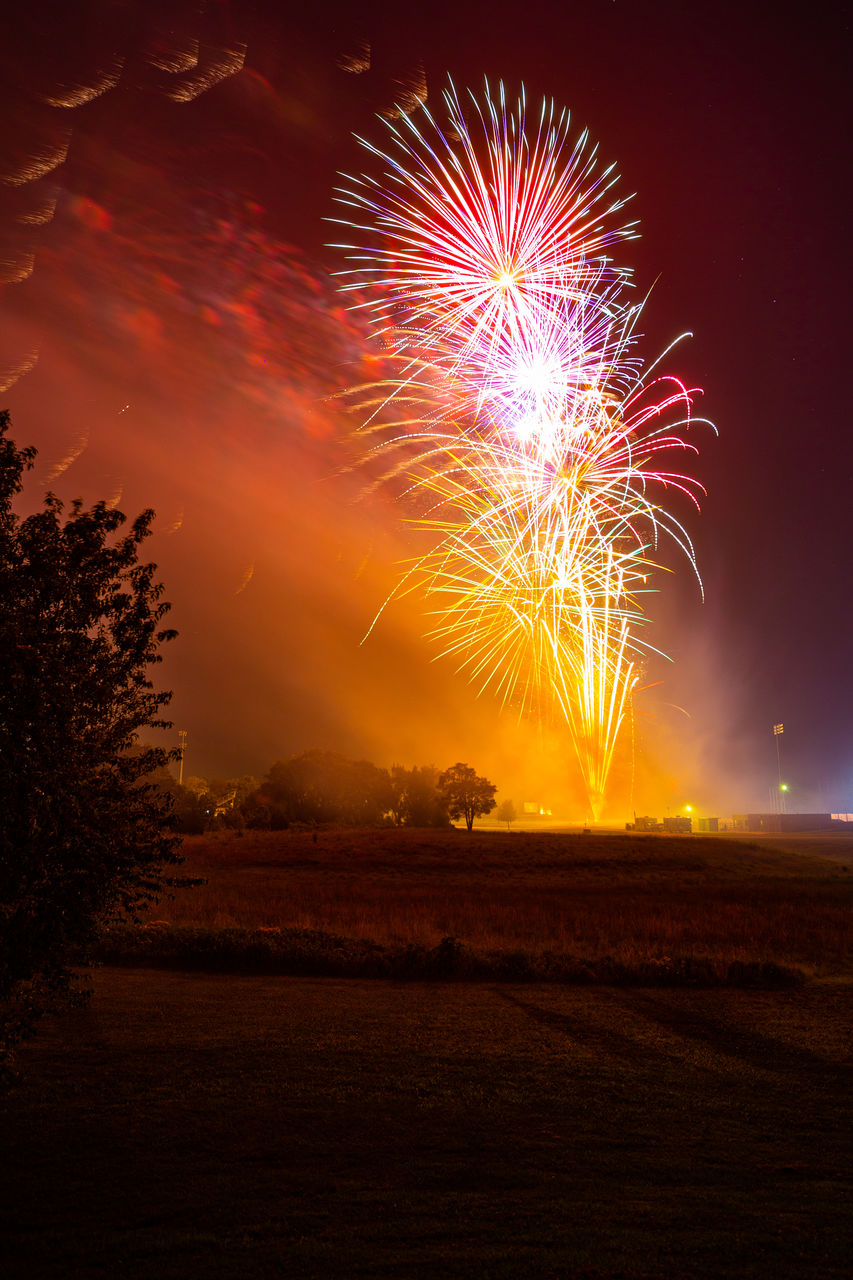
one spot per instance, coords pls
(183, 275)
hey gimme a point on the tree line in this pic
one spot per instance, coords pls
(325, 788)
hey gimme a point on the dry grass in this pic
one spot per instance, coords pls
(633, 898)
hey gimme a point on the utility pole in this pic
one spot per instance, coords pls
(778, 730)
(182, 739)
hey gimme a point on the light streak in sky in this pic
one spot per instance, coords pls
(79, 446)
(513, 408)
(9, 374)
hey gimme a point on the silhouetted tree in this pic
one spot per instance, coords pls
(243, 787)
(325, 787)
(468, 795)
(198, 786)
(188, 810)
(506, 813)
(81, 824)
(261, 814)
(398, 786)
(425, 804)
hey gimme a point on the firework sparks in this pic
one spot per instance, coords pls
(474, 249)
(516, 411)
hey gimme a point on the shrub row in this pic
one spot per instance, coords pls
(311, 952)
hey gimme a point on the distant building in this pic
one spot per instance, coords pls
(708, 824)
(679, 825)
(782, 822)
(530, 809)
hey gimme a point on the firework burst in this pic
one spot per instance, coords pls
(516, 410)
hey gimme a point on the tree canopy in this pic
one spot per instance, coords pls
(81, 834)
(468, 795)
(325, 787)
(314, 788)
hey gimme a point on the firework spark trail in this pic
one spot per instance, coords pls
(515, 410)
(471, 251)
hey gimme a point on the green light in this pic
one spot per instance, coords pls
(783, 786)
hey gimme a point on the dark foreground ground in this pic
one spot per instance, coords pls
(220, 1126)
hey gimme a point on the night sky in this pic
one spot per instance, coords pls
(172, 337)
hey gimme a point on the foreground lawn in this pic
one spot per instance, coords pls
(644, 903)
(221, 1126)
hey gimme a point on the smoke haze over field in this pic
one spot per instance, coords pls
(172, 338)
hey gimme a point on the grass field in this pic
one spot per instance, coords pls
(245, 1127)
(635, 901)
(248, 1126)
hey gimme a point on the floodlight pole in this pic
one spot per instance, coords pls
(182, 738)
(778, 730)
